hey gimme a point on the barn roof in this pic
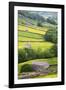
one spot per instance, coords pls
(41, 64)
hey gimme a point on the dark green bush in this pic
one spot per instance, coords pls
(29, 54)
(52, 21)
(26, 54)
(53, 50)
(39, 24)
(21, 55)
(26, 68)
(51, 35)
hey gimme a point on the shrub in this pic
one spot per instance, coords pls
(26, 54)
(53, 50)
(21, 55)
(26, 68)
(51, 35)
(51, 21)
(39, 24)
(29, 54)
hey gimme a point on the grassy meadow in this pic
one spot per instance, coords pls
(35, 45)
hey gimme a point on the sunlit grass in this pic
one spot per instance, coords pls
(54, 75)
(23, 28)
(36, 45)
(30, 34)
(28, 39)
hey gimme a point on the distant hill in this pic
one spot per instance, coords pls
(39, 16)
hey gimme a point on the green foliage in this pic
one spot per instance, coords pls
(31, 54)
(51, 20)
(33, 16)
(30, 35)
(39, 24)
(53, 50)
(27, 54)
(26, 68)
(51, 35)
(49, 60)
(21, 55)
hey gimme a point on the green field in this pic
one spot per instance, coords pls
(31, 29)
(36, 45)
(35, 37)
(49, 60)
(23, 38)
(48, 76)
(30, 34)
(52, 61)
(31, 37)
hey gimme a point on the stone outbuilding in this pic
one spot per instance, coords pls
(40, 66)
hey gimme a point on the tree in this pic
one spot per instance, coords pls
(51, 20)
(53, 50)
(51, 35)
(39, 24)
(26, 68)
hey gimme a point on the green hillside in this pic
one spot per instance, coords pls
(52, 61)
(37, 42)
